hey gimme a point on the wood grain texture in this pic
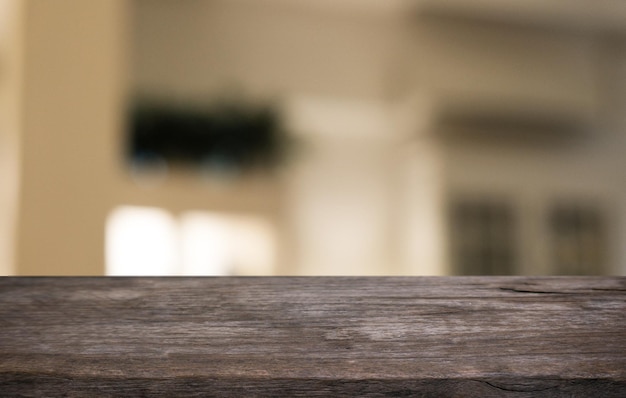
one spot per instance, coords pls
(235, 337)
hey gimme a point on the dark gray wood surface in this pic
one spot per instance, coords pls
(433, 336)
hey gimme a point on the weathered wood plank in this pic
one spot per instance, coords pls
(458, 336)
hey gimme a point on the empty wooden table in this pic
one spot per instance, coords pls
(329, 336)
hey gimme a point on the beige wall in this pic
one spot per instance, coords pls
(197, 48)
(498, 66)
(10, 112)
(73, 65)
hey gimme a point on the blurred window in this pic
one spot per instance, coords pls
(578, 239)
(151, 241)
(141, 241)
(224, 244)
(482, 236)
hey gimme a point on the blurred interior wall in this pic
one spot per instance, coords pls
(267, 48)
(581, 76)
(614, 72)
(70, 105)
(381, 187)
(10, 112)
(331, 67)
(564, 74)
(340, 69)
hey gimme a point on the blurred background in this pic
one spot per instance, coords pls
(312, 137)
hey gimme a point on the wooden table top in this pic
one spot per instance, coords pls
(313, 336)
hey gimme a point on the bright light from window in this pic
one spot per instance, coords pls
(254, 246)
(141, 241)
(150, 241)
(206, 247)
(217, 244)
